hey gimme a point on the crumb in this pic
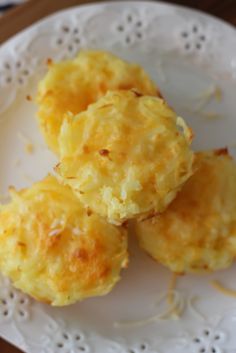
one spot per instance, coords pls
(103, 152)
(29, 148)
(85, 149)
(49, 61)
(89, 212)
(221, 151)
(136, 93)
(28, 145)
(106, 106)
(218, 94)
(28, 98)
(125, 224)
(20, 243)
(160, 94)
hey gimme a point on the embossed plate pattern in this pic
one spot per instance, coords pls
(187, 53)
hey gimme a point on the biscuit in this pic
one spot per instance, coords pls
(70, 86)
(54, 249)
(126, 156)
(197, 232)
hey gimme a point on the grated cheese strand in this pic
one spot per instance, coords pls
(211, 116)
(190, 303)
(57, 222)
(213, 92)
(29, 148)
(28, 145)
(162, 316)
(226, 291)
(171, 288)
(54, 232)
(76, 231)
(177, 311)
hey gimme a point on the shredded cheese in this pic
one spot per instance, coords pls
(76, 231)
(28, 98)
(57, 222)
(29, 148)
(28, 145)
(162, 316)
(54, 232)
(218, 286)
(171, 289)
(191, 306)
(178, 309)
(211, 115)
(206, 115)
(174, 300)
(56, 227)
(213, 92)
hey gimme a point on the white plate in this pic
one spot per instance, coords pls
(187, 53)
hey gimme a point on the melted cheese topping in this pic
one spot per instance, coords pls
(53, 250)
(126, 156)
(197, 232)
(70, 86)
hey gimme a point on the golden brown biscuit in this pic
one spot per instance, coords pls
(197, 232)
(55, 250)
(126, 156)
(70, 86)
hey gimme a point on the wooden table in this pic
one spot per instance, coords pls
(33, 10)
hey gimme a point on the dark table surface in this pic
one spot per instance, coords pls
(225, 9)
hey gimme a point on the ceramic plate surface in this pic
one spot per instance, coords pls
(193, 59)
